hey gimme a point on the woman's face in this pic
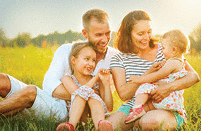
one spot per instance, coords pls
(141, 34)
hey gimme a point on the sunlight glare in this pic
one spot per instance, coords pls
(193, 2)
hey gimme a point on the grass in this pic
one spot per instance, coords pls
(30, 65)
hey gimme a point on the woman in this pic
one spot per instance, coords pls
(138, 54)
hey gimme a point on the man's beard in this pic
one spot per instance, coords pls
(93, 45)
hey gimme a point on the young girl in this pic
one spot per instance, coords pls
(174, 44)
(82, 61)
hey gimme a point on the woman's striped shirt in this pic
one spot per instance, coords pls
(134, 65)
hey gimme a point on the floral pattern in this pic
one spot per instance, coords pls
(174, 101)
(87, 92)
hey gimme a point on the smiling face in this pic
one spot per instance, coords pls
(98, 34)
(168, 49)
(85, 62)
(141, 34)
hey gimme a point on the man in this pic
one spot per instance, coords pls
(51, 100)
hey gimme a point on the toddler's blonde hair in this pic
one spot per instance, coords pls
(178, 39)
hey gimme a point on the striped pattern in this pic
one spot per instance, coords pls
(134, 65)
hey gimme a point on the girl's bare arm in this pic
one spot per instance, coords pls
(105, 90)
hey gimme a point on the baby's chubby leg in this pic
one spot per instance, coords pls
(140, 108)
(141, 99)
(148, 106)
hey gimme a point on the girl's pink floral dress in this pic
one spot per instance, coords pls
(174, 101)
(87, 92)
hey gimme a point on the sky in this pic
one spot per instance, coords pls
(46, 16)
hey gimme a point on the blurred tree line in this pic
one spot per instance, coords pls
(24, 39)
(3, 39)
(57, 38)
(195, 38)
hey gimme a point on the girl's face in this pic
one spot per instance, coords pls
(141, 34)
(167, 48)
(85, 62)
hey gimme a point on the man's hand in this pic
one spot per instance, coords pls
(161, 92)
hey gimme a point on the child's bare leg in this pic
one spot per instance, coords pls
(138, 109)
(77, 109)
(97, 111)
(85, 114)
(141, 99)
(148, 106)
(144, 99)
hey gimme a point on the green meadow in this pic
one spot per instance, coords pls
(30, 65)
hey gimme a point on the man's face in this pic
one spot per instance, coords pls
(98, 35)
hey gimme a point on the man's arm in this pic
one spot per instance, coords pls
(52, 84)
(61, 93)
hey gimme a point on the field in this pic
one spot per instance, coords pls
(30, 65)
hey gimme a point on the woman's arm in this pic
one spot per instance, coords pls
(185, 82)
(125, 90)
(190, 79)
(105, 90)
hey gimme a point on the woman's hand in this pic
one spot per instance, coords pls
(161, 92)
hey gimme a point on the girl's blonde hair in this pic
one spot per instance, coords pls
(178, 39)
(75, 52)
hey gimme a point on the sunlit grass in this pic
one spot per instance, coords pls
(30, 65)
(26, 64)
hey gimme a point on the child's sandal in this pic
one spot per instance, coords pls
(135, 114)
(65, 127)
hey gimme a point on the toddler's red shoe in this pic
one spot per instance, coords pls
(65, 127)
(135, 114)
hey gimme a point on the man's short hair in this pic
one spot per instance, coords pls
(98, 14)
